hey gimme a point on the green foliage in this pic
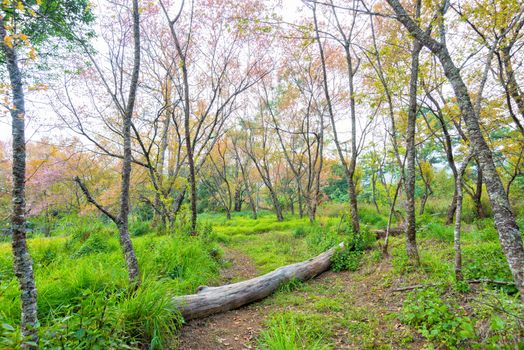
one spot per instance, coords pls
(321, 238)
(345, 260)
(486, 260)
(291, 285)
(439, 322)
(96, 243)
(83, 302)
(148, 316)
(436, 230)
(290, 331)
(349, 257)
(500, 318)
(299, 232)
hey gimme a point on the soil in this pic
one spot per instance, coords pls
(238, 329)
(232, 330)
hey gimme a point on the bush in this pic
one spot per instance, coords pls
(350, 256)
(344, 259)
(320, 239)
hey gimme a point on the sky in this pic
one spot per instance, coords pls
(39, 113)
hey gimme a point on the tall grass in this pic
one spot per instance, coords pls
(82, 275)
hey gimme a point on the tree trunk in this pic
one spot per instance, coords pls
(423, 203)
(160, 217)
(300, 203)
(477, 198)
(512, 86)
(355, 222)
(508, 230)
(276, 204)
(212, 300)
(452, 206)
(349, 168)
(238, 199)
(374, 192)
(123, 226)
(411, 234)
(22, 262)
(458, 218)
(390, 217)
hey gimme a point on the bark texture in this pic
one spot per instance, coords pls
(211, 300)
(22, 263)
(411, 233)
(509, 234)
(458, 219)
(123, 220)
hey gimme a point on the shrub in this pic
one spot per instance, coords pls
(350, 256)
(344, 259)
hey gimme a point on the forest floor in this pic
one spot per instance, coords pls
(81, 279)
(336, 310)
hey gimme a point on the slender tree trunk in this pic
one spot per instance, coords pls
(253, 206)
(238, 199)
(276, 204)
(411, 234)
(349, 168)
(300, 201)
(355, 222)
(452, 206)
(374, 192)
(390, 217)
(512, 86)
(160, 218)
(458, 219)
(123, 226)
(477, 198)
(508, 230)
(22, 262)
(423, 203)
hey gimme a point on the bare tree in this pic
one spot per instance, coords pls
(126, 110)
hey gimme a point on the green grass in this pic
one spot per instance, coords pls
(84, 301)
(66, 268)
(295, 330)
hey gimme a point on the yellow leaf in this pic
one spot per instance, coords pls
(32, 53)
(8, 40)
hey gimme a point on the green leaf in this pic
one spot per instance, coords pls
(8, 327)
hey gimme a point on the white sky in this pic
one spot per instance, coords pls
(40, 114)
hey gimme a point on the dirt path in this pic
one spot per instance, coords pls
(366, 295)
(231, 330)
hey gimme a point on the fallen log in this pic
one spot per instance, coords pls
(212, 300)
(393, 231)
